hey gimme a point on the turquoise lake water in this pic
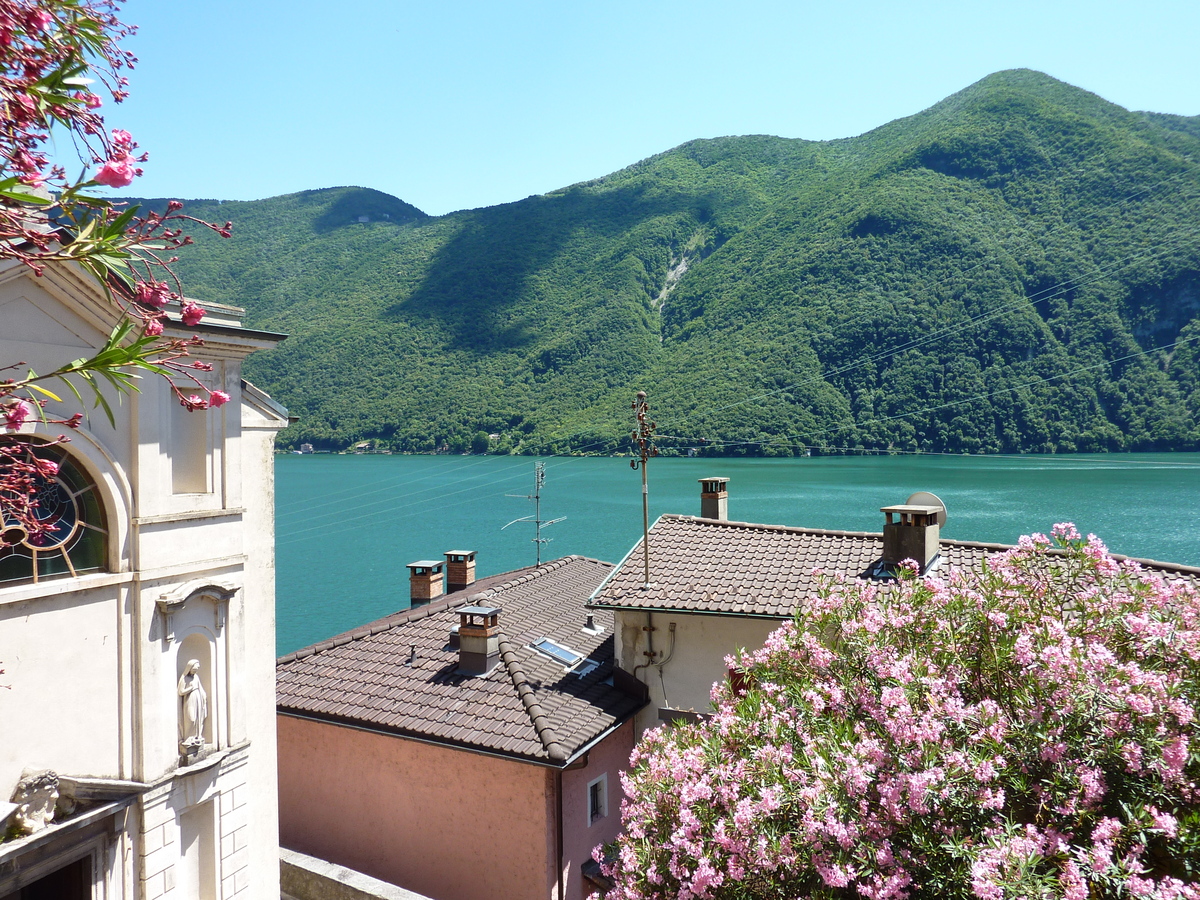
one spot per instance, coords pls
(347, 525)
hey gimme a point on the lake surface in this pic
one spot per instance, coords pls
(347, 525)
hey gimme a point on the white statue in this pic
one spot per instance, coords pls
(195, 708)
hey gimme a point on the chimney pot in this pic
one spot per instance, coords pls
(714, 498)
(478, 639)
(460, 569)
(425, 581)
(914, 534)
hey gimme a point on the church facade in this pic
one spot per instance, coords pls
(137, 721)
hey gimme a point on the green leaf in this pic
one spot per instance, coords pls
(42, 390)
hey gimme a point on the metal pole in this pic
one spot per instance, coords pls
(645, 526)
(643, 437)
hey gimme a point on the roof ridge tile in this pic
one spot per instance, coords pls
(537, 715)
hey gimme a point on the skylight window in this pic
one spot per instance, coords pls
(558, 652)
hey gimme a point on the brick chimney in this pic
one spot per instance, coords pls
(425, 581)
(913, 535)
(460, 569)
(478, 639)
(714, 498)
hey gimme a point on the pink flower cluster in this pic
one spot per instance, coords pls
(16, 413)
(194, 402)
(1022, 731)
(119, 169)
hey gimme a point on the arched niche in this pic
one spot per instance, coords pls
(192, 620)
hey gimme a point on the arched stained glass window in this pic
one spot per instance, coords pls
(77, 530)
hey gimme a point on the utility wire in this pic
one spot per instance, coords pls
(376, 488)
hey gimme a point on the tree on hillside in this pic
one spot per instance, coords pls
(1026, 731)
(60, 60)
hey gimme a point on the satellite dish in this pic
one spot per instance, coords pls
(924, 498)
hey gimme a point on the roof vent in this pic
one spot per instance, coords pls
(478, 639)
(425, 581)
(714, 498)
(913, 531)
(460, 569)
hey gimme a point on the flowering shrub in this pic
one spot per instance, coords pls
(57, 59)
(1024, 731)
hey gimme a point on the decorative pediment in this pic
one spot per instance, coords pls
(172, 603)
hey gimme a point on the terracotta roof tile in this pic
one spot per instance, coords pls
(739, 568)
(527, 706)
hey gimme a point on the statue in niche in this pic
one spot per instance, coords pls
(195, 709)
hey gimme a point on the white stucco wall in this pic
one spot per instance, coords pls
(701, 644)
(92, 662)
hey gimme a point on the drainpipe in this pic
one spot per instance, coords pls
(558, 780)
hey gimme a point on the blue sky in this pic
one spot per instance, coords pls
(450, 104)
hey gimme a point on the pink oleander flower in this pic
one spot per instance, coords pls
(38, 20)
(153, 293)
(192, 313)
(217, 398)
(154, 327)
(47, 467)
(117, 172)
(17, 413)
(936, 714)
(193, 402)
(122, 139)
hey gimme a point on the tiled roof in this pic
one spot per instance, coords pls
(526, 707)
(738, 568)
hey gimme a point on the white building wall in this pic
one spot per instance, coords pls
(92, 662)
(696, 655)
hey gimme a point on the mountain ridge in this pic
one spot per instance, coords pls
(1022, 242)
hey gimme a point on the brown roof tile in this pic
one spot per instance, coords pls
(739, 568)
(527, 706)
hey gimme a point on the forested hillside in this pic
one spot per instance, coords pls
(1014, 269)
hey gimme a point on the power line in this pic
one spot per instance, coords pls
(374, 489)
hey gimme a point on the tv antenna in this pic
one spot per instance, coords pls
(539, 480)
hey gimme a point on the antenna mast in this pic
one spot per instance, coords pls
(643, 436)
(539, 479)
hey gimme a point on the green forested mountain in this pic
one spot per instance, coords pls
(1015, 268)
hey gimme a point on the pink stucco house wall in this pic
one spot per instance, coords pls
(461, 776)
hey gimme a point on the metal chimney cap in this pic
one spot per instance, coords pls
(478, 610)
(720, 480)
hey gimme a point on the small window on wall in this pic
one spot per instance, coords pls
(188, 444)
(597, 799)
(72, 535)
